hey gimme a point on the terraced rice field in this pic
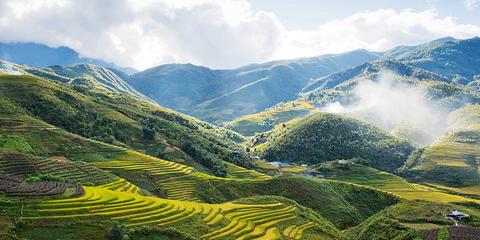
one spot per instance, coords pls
(178, 180)
(242, 221)
(12, 186)
(76, 172)
(242, 173)
(22, 123)
(179, 188)
(390, 183)
(296, 232)
(121, 185)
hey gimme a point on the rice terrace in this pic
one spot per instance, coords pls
(239, 120)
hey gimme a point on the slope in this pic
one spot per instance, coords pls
(220, 95)
(122, 120)
(453, 159)
(454, 58)
(323, 137)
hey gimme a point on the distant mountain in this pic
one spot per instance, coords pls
(366, 71)
(81, 76)
(95, 76)
(177, 86)
(221, 95)
(338, 86)
(456, 59)
(42, 56)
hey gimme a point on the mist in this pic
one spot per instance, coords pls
(396, 107)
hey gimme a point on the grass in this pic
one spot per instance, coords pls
(264, 121)
(293, 169)
(367, 176)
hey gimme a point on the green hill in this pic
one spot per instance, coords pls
(122, 120)
(324, 137)
(264, 121)
(453, 159)
(407, 220)
(343, 204)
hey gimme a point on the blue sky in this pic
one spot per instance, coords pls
(308, 14)
(231, 33)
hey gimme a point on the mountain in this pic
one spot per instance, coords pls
(80, 76)
(42, 56)
(93, 76)
(322, 137)
(124, 120)
(221, 95)
(369, 70)
(456, 59)
(452, 160)
(74, 155)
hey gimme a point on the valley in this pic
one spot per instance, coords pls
(88, 151)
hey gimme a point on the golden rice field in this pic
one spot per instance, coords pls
(178, 180)
(120, 201)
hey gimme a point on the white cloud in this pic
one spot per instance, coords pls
(215, 33)
(389, 103)
(470, 4)
(375, 30)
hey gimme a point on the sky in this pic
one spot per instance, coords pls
(231, 33)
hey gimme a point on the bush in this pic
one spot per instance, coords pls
(43, 177)
(116, 232)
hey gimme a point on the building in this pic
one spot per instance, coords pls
(457, 215)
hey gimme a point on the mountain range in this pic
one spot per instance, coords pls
(358, 145)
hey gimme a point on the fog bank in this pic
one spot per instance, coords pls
(396, 107)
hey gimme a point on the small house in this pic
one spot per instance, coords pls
(457, 215)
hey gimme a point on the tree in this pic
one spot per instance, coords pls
(115, 232)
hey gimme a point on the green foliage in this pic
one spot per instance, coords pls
(207, 159)
(156, 233)
(443, 234)
(14, 143)
(343, 204)
(121, 119)
(37, 177)
(324, 137)
(116, 232)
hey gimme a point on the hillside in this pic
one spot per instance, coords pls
(453, 58)
(124, 121)
(324, 137)
(33, 149)
(221, 95)
(452, 160)
(83, 77)
(264, 121)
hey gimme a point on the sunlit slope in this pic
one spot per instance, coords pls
(212, 221)
(264, 121)
(363, 175)
(177, 180)
(454, 159)
(121, 120)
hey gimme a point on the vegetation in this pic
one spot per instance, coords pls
(324, 137)
(452, 160)
(265, 121)
(343, 204)
(118, 119)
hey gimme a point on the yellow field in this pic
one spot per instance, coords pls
(243, 221)
(293, 169)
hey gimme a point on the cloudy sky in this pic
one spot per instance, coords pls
(230, 33)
